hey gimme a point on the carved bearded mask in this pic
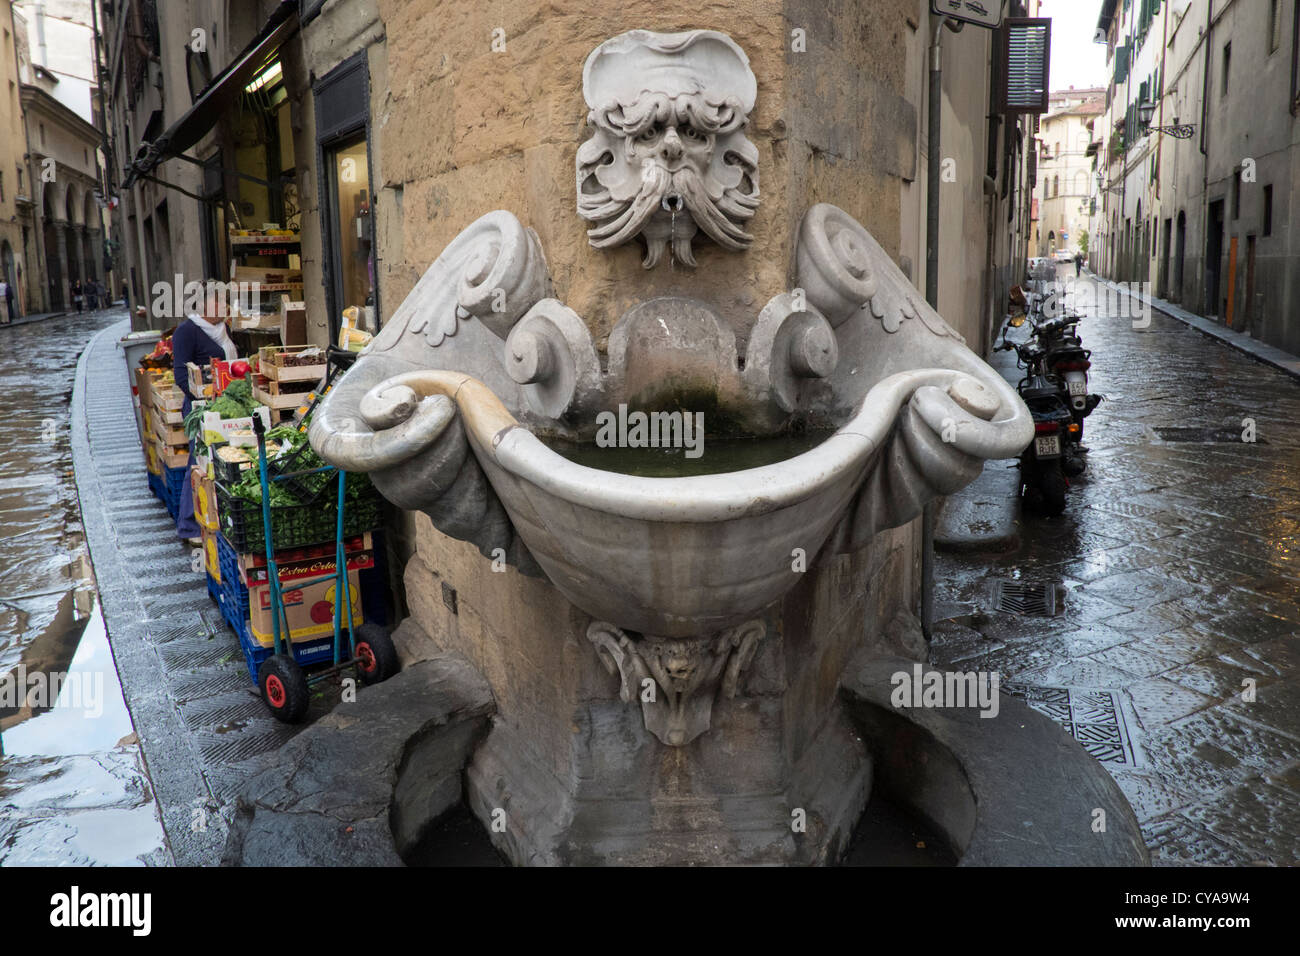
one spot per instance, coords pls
(669, 157)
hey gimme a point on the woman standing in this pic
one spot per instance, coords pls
(76, 293)
(199, 339)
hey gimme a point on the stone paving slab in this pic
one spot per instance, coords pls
(1179, 563)
(182, 670)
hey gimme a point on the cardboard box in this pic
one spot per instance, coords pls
(205, 501)
(216, 428)
(293, 322)
(309, 608)
(211, 559)
(221, 376)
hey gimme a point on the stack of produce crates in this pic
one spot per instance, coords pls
(304, 516)
(286, 375)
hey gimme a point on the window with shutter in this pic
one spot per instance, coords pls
(1026, 52)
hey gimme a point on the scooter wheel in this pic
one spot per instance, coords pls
(1052, 485)
(375, 654)
(284, 688)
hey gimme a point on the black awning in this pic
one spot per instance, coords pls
(219, 96)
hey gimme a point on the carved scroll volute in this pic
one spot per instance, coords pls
(834, 262)
(550, 353)
(503, 277)
(791, 342)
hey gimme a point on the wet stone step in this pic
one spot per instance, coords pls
(195, 655)
(236, 706)
(192, 687)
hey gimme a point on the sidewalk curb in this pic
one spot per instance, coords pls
(1254, 348)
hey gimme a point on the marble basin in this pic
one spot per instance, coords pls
(682, 557)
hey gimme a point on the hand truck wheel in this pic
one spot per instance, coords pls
(376, 657)
(284, 688)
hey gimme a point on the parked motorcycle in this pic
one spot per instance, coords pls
(1043, 463)
(1067, 361)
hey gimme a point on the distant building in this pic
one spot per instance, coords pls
(1065, 169)
(1202, 145)
(16, 261)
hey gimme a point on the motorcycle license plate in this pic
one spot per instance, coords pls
(1047, 446)
(1078, 388)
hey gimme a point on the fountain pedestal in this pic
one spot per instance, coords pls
(569, 772)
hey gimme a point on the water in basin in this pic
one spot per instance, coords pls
(718, 455)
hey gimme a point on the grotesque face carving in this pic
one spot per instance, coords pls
(669, 156)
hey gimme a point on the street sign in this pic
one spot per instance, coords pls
(982, 13)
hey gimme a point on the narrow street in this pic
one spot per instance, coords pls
(1177, 563)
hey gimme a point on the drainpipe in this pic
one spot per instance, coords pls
(40, 33)
(932, 284)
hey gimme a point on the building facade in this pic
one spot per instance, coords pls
(1199, 187)
(1065, 174)
(15, 184)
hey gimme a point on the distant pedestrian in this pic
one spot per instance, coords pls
(88, 294)
(125, 301)
(93, 291)
(76, 293)
(1078, 264)
(7, 296)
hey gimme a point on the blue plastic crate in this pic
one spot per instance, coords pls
(157, 487)
(234, 594)
(306, 653)
(214, 589)
(173, 480)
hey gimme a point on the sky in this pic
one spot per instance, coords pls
(1076, 60)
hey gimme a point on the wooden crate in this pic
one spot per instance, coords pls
(199, 380)
(273, 362)
(167, 398)
(172, 456)
(276, 397)
(170, 434)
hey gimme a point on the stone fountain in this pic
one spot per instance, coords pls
(666, 653)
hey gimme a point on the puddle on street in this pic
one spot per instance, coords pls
(73, 790)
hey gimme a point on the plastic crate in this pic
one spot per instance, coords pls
(173, 483)
(306, 653)
(234, 594)
(157, 487)
(214, 589)
(294, 526)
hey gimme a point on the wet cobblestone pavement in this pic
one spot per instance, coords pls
(73, 784)
(1177, 568)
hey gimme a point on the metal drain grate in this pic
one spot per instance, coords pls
(1026, 598)
(1092, 716)
(1203, 436)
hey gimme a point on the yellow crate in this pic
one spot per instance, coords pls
(151, 458)
(205, 501)
(210, 558)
